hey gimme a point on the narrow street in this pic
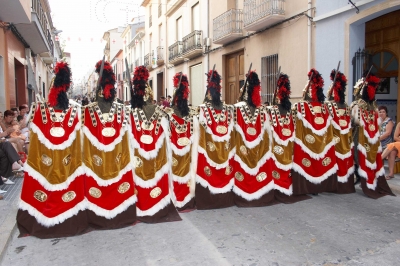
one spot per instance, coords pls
(328, 229)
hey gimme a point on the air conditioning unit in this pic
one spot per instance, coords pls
(207, 42)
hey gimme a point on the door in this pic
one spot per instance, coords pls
(234, 76)
(160, 85)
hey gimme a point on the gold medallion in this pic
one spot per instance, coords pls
(174, 161)
(251, 131)
(148, 126)
(182, 130)
(124, 187)
(310, 138)
(40, 195)
(261, 176)
(46, 160)
(342, 122)
(67, 159)
(155, 192)
(227, 145)
(228, 170)
(336, 139)
(239, 177)
(106, 116)
(371, 127)
(146, 139)
(108, 132)
(367, 147)
(306, 162)
(276, 175)
(278, 150)
(137, 162)
(57, 132)
(286, 132)
(68, 196)
(211, 146)
(341, 112)
(326, 161)
(319, 120)
(183, 141)
(97, 160)
(207, 171)
(95, 192)
(118, 158)
(243, 150)
(222, 129)
(317, 109)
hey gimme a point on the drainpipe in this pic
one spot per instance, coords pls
(309, 35)
(208, 36)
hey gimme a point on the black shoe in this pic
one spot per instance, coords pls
(314, 194)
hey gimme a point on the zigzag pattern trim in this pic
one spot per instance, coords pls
(46, 142)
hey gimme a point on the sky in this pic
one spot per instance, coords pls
(83, 23)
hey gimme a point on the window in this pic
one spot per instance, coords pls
(196, 17)
(44, 90)
(179, 29)
(150, 18)
(269, 71)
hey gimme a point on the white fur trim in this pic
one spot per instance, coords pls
(156, 208)
(256, 195)
(182, 151)
(249, 144)
(215, 138)
(228, 187)
(343, 156)
(49, 144)
(281, 142)
(345, 178)
(313, 155)
(253, 171)
(285, 191)
(317, 179)
(102, 147)
(109, 214)
(181, 179)
(53, 187)
(374, 139)
(105, 183)
(182, 203)
(306, 124)
(363, 174)
(214, 164)
(47, 221)
(139, 181)
(337, 127)
(370, 165)
(148, 155)
(239, 104)
(284, 167)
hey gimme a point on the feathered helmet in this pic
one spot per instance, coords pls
(214, 87)
(283, 93)
(369, 90)
(339, 88)
(316, 91)
(141, 91)
(252, 95)
(107, 82)
(60, 86)
(181, 94)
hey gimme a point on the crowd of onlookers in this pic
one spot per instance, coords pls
(14, 142)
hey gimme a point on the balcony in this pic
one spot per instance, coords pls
(260, 14)
(192, 44)
(228, 26)
(16, 11)
(173, 5)
(37, 32)
(175, 53)
(160, 55)
(148, 60)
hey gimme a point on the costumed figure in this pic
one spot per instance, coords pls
(253, 183)
(184, 140)
(368, 149)
(150, 139)
(216, 149)
(53, 198)
(314, 161)
(342, 133)
(109, 189)
(282, 142)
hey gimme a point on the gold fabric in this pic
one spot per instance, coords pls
(371, 154)
(320, 141)
(108, 167)
(342, 146)
(286, 157)
(220, 153)
(183, 165)
(252, 156)
(53, 166)
(150, 167)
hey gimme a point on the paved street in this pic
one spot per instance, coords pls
(329, 229)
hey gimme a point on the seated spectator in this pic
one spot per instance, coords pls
(1, 116)
(385, 127)
(164, 102)
(392, 151)
(7, 126)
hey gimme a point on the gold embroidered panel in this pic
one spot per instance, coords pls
(342, 141)
(216, 151)
(313, 141)
(251, 156)
(372, 149)
(182, 166)
(150, 167)
(286, 156)
(55, 165)
(106, 165)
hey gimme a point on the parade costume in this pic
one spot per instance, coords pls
(282, 142)
(368, 149)
(216, 149)
(109, 185)
(184, 140)
(342, 133)
(52, 198)
(314, 162)
(253, 183)
(150, 137)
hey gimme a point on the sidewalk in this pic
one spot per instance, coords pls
(9, 207)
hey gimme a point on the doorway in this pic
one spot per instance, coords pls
(234, 76)
(160, 85)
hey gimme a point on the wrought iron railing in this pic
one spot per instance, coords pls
(192, 41)
(254, 10)
(146, 60)
(37, 8)
(228, 23)
(175, 50)
(160, 53)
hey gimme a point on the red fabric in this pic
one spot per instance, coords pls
(110, 197)
(370, 173)
(345, 165)
(175, 136)
(45, 128)
(218, 178)
(278, 128)
(244, 126)
(145, 201)
(250, 184)
(310, 118)
(371, 133)
(181, 191)
(138, 134)
(54, 205)
(214, 124)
